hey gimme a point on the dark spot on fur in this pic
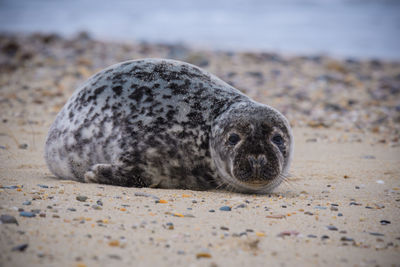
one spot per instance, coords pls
(117, 90)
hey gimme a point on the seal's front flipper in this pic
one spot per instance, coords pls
(114, 175)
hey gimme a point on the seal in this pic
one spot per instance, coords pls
(168, 124)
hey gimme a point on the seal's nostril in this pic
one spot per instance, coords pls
(253, 162)
(262, 160)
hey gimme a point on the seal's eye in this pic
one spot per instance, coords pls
(277, 140)
(233, 139)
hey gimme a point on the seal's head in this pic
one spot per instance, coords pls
(252, 146)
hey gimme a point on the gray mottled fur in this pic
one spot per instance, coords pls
(164, 123)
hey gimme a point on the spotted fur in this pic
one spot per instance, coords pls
(147, 123)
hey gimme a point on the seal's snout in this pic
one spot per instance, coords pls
(257, 163)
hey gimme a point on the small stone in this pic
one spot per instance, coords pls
(27, 214)
(99, 202)
(20, 248)
(376, 234)
(81, 198)
(368, 157)
(312, 236)
(332, 228)
(320, 207)
(355, 204)
(113, 243)
(340, 214)
(277, 216)
(170, 226)
(345, 239)
(324, 237)
(288, 233)
(5, 218)
(115, 257)
(241, 206)
(225, 208)
(333, 208)
(203, 255)
(384, 222)
(194, 201)
(96, 207)
(43, 186)
(224, 228)
(23, 146)
(142, 194)
(27, 203)
(211, 211)
(71, 209)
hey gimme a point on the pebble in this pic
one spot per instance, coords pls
(376, 234)
(27, 203)
(324, 237)
(99, 202)
(340, 214)
(142, 194)
(333, 208)
(5, 218)
(224, 228)
(170, 226)
(27, 214)
(115, 257)
(312, 236)
(43, 186)
(203, 255)
(355, 204)
(20, 248)
(384, 222)
(241, 206)
(225, 208)
(320, 207)
(332, 228)
(81, 198)
(211, 211)
(345, 238)
(71, 209)
(9, 187)
(277, 216)
(23, 146)
(288, 233)
(368, 157)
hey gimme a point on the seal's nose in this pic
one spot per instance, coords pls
(256, 164)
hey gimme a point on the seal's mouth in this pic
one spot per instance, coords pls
(258, 187)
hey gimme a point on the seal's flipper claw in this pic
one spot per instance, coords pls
(99, 173)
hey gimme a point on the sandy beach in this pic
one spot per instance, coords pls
(339, 207)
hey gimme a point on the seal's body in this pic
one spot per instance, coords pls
(168, 124)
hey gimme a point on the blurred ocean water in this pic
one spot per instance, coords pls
(345, 28)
